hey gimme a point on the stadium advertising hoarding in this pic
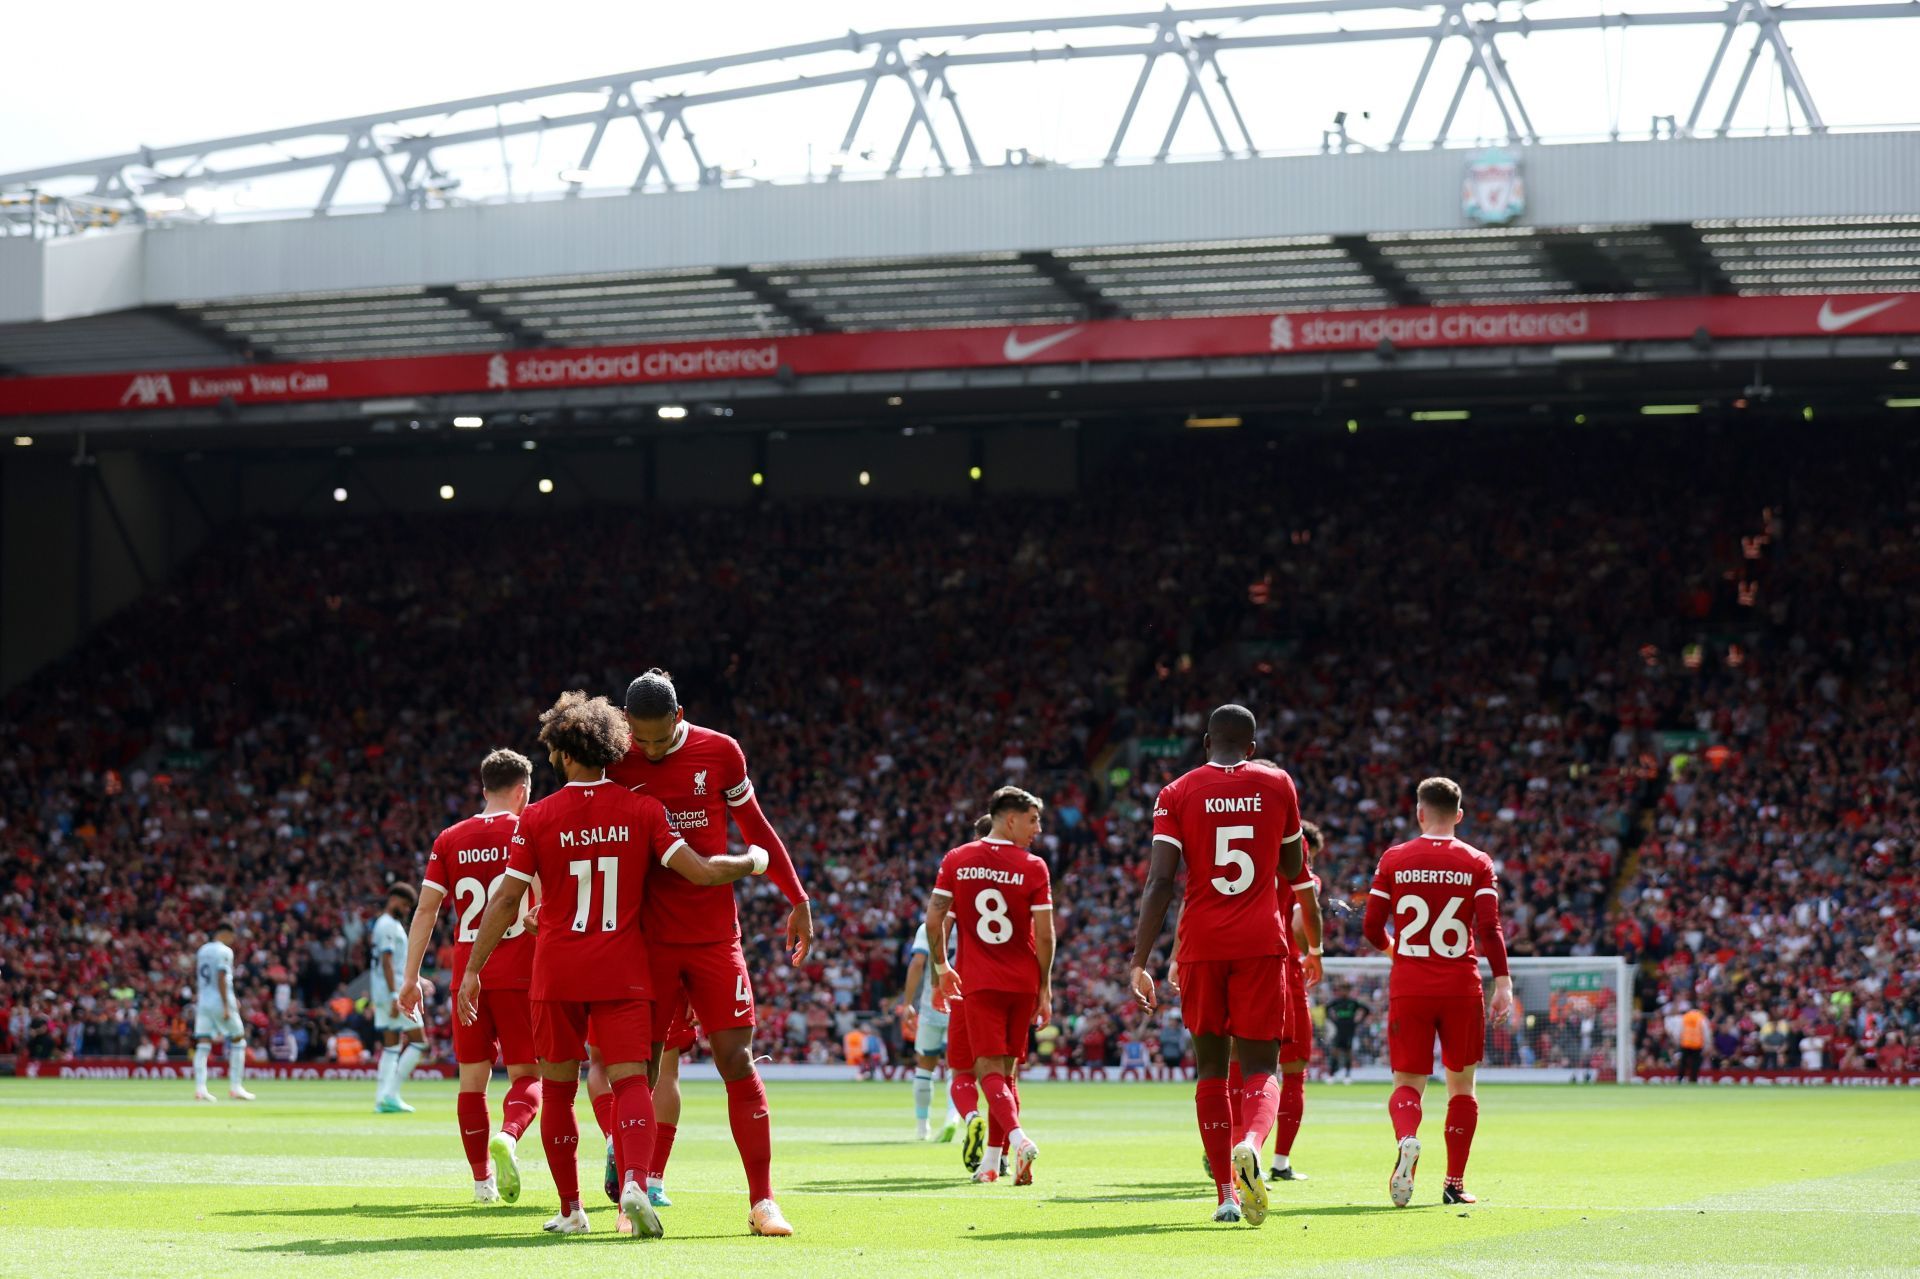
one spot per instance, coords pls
(1293, 333)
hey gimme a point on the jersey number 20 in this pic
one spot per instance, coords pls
(470, 895)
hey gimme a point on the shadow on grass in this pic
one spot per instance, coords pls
(406, 1212)
(879, 1184)
(461, 1243)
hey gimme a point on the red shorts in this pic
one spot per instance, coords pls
(622, 1029)
(505, 1022)
(998, 1021)
(1245, 998)
(711, 977)
(1297, 1043)
(681, 1031)
(959, 1042)
(1413, 1020)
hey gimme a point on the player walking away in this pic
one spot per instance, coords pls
(933, 1031)
(403, 1037)
(700, 776)
(1427, 887)
(216, 1015)
(1237, 827)
(1345, 1014)
(590, 844)
(1303, 972)
(963, 1085)
(1000, 897)
(469, 860)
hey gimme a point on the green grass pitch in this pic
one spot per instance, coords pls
(103, 1178)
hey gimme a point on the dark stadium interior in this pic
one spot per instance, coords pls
(1667, 661)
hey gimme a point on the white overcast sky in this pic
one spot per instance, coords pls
(110, 75)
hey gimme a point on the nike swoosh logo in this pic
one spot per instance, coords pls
(742, 1012)
(472, 1132)
(1832, 321)
(1015, 350)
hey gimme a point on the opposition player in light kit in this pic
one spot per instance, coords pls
(700, 776)
(1000, 898)
(1428, 887)
(469, 860)
(591, 845)
(929, 1026)
(216, 1015)
(1236, 825)
(403, 1036)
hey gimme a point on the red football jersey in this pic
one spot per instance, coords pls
(591, 845)
(466, 863)
(1430, 884)
(702, 774)
(996, 888)
(1228, 821)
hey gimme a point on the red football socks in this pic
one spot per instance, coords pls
(1258, 1103)
(1216, 1124)
(964, 1091)
(1236, 1091)
(523, 1098)
(752, 1133)
(1404, 1109)
(1293, 1106)
(663, 1135)
(561, 1136)
(1003, 1113)
(470, 1108)
(603, 1113)
(1463, 1116)
(633, 1128)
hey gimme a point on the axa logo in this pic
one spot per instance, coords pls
(700, 782)
(148, 389)
(1280, 334)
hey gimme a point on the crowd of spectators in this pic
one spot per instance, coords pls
(1674, 678)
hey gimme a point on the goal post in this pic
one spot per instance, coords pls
(1573, 1020)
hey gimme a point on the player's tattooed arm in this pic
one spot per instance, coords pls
(1154, 901)
(946, 982)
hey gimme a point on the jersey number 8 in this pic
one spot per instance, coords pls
(1448, 934)
(993, 925)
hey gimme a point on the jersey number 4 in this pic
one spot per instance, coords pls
(471, 896)
(1448, 934)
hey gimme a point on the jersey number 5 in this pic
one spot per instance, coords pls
(1448, 934)
(1225, 854)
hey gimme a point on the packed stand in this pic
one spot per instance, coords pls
(282, 729)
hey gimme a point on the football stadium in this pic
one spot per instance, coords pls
(1287, 634)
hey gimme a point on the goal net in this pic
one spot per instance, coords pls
(1567, 1026)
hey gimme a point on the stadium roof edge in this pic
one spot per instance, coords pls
(1004, 211)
